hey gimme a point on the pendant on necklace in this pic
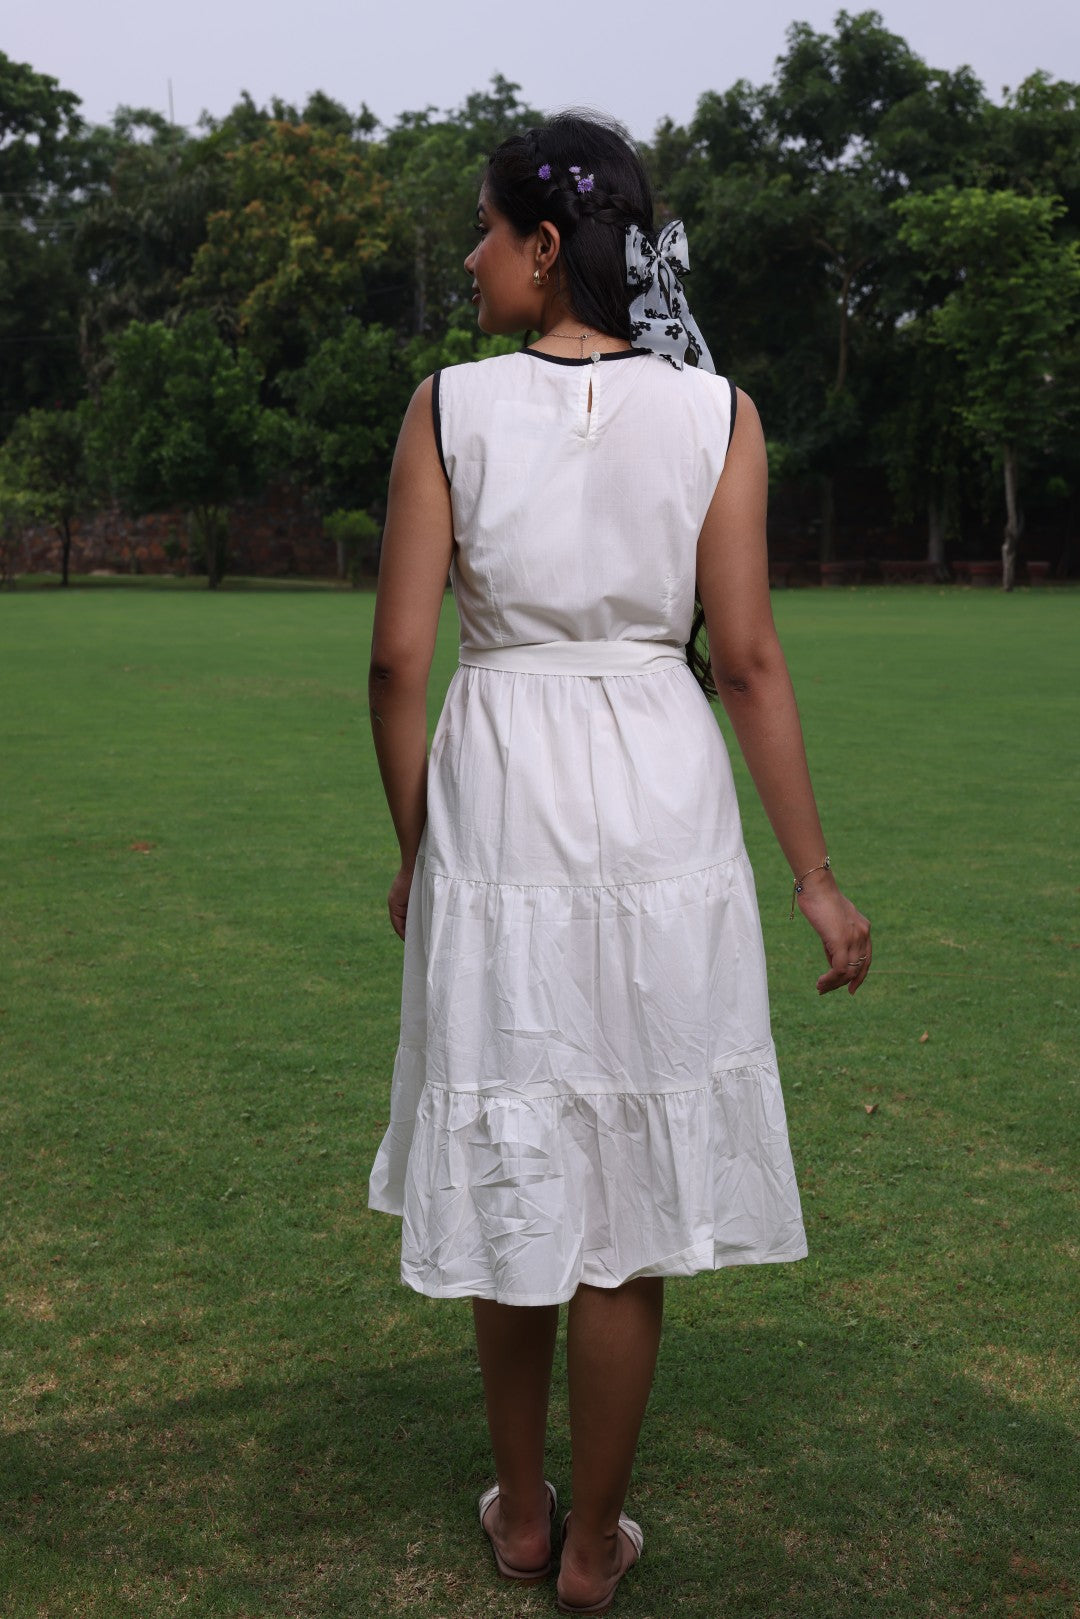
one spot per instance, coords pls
(595, 356)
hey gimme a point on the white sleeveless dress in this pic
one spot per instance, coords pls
(585, 1088)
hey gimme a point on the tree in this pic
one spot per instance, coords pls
(45, 459)
(434, 165)
(246, 122)
(920, 437)
(135, 242)
(788, 203)
(1033, 144)
(355, 536)
(180, 424)
(286, 258)
(347, 403)
(15, 515)
(1009, 315)
(41, 168)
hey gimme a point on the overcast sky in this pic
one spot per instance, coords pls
(640, 62)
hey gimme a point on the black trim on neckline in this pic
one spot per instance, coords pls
(562, 359)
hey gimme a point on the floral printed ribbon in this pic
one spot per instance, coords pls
(660, 317)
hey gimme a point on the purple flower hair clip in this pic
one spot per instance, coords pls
(583, 182)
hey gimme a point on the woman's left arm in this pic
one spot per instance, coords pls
(752, 680)
(417, 548)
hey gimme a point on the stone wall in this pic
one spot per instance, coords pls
(280, 536)
(277, 536)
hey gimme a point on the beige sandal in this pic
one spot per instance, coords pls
(632, 1532)
(523, 1576)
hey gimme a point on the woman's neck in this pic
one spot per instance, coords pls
(578, 342)
(563, 333)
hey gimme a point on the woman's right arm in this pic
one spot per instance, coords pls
(414, 563)
(755, 688)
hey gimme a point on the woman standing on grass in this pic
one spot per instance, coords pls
(585, 1096)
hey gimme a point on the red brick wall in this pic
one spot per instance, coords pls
(276, 536)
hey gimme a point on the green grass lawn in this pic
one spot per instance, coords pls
(218, 1399)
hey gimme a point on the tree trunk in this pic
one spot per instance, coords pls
(213, 524)
(65, 551)
(221, 535)
(827, 544)
(935, 524)
(1012, 518)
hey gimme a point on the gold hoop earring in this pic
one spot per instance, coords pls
(538, 279)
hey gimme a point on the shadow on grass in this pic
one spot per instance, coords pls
(845, 1476)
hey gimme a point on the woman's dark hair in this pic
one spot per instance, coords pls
(592, 224)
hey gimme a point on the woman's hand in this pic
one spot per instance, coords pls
(398, 900)
(844, 932)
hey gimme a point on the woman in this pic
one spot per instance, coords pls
(585, 1097)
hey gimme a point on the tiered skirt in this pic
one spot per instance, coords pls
(585, 1088)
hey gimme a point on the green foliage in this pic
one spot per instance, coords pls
(347, 402)
(814, 297)
(831, 90)
(328, 249)
(1009, 316)
(356, 535)
(42, 163)
(286, 256)
(246, 122)
(1012, 304)
(15, 516)
(44, 458)
(455, 346)
(136, 241)
(180, 424)
(920, 437)
(1033, 142)
(787, 203)
(435, 166)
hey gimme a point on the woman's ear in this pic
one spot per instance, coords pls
(548, 243)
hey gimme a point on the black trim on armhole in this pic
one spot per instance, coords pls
(734, 408)
(436, 421)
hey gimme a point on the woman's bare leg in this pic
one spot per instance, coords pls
(516, 1345)
(612, 1340)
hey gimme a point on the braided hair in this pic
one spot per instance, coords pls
(591, 219)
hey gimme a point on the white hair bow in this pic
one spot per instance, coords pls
(660, 317)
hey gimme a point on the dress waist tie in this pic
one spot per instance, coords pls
(576, 657)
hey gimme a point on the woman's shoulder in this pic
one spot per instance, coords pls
(478, 380)
(487, 365)
(695, 378)
(694, 389)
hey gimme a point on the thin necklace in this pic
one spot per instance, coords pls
(572, 337)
